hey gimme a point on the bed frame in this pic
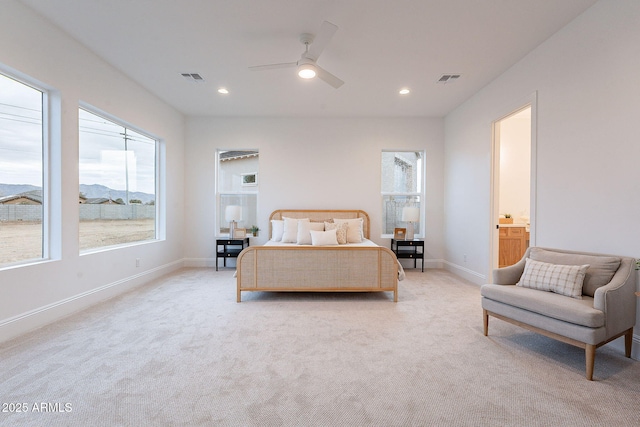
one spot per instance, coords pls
(318, 268)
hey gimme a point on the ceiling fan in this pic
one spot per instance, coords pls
(307, 66)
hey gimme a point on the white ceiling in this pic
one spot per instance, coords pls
(380, 47)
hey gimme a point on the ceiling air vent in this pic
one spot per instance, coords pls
(193, 77)
(448, 78)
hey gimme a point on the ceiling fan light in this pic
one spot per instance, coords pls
(307, 71)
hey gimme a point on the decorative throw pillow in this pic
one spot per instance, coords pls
(354, 229)
(304, 227)
(601, 268)
(277, 229)
(323, 238)
(290, 234)
(562, 279)
(341, 231)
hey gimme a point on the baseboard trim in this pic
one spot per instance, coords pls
(428, 263)
(200, 262)
(618, 344)
(465, 273)
(635, 346)
(26, 322)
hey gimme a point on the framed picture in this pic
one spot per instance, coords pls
(249, 179)
(400, 233)
(240, 233)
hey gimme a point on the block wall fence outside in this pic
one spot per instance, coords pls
(134, 211)
(20, 212)
(87, 212)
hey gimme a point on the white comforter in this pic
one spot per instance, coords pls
(365, 243)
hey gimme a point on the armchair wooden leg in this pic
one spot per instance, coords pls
(628, 341)
(485, 322)
(590, 358)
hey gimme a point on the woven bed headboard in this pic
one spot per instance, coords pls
(321, 215)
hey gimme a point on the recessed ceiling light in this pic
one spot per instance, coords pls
(404, 91)
(223, 91)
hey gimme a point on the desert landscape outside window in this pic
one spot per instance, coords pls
(117, 194)
(21, 172)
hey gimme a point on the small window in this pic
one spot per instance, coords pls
(237, 186)
(402, 187)
(22, 199)
(117, 195)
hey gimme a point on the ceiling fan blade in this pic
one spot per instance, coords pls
(327, 30)
(273, 66)
(327, 77)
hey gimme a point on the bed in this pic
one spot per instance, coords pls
(292, 267)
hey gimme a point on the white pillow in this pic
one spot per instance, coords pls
(290, 234)
(354, 229)
(277, 229)
(323, 238)
(304, 227)
(562, 279)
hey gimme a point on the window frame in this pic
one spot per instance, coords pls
(50, 235)
(159, 224)
(420, 193)
(244, 190)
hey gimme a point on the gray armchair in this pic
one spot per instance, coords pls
(606, 310)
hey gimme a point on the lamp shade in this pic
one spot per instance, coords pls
(410, 214)
(233, 213)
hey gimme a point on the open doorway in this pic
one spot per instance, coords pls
(512, 186)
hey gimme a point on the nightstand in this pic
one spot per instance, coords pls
(412, 249)
(229, 248)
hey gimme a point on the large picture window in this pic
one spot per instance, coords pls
(238, 184)
(22, 199)
(117, 195)
(402, 187)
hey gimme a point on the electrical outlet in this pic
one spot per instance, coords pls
(465, 257)
(137, 262)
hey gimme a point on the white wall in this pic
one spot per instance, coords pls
(37, 294)
(309, 163)
(586, 78)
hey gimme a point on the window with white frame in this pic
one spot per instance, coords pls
(117, 172)
(237, 190)
(22, 181)
(402, 187)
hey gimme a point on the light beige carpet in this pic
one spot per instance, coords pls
(181, 351)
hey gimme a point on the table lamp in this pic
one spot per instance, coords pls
(410, 215)
(232, 214)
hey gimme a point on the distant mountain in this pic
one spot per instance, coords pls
(95, 190)
(13, 189)
(90, 191)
